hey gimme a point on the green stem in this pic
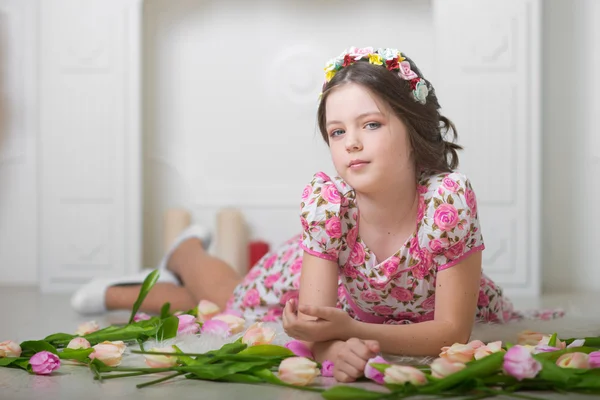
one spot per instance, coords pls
(141, 343)
(126, 375)
(97, 375)
(166, 378)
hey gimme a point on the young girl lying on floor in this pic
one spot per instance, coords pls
(390, 251)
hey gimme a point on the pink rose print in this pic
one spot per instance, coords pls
(483, 299)
(402, 294)
(251, 299)
(378, 285)
(455, 251)
(273, 315)
(296, 282)
(410, 316)
(270, 261)
(414, 246)
(421, 270)
(333, 227)
(331, 194)
(439, 245)
(429, 303)
(296, 266)
(370, 297)
(422, 189)
(251, 276)
(307, 192)
(322, 176)
(421, 210)
(383, 310)
(286, 256)
(351, 236)
(450, 184)
(471, 201)
(358, 255)
(304, 224)
(350, 271)
(271, 279)
(445, 216)
(341, 292)
(390, 267)
(292, 294)
(426, 317)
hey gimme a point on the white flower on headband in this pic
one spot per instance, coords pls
(420, 91)
(360, 53)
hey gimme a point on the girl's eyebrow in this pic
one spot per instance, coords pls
(367, 114)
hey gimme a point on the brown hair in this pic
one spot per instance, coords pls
(426, 126)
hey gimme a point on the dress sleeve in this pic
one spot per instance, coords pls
(320, 218)
(450, 229)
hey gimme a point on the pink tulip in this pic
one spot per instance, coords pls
(461, 353)
(110, 353)
(519, 363)
(299, 348)
(141, 317)
(236, 324)
(44, 362)
(327, 369)
(442, 367)
(207, 310)
(8, 348)
(216, 327)
(257, 335)
(78, 343)
(594, 359)
(528, 337)
(401, 374)
(160, 360)
(490, 348)
(573, 360)
(187, 325)
(545, 340)
(298, 371)
(372, 373)
(86, 328)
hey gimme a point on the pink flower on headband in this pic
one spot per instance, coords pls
(406, 72)
(360, 53)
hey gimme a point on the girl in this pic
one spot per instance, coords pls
(390, 250)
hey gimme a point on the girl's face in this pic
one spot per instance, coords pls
(369, 145)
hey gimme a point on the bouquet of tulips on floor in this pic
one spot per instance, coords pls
(537, 363)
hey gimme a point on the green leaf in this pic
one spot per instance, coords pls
(128, 332)
(168, 328)
(31, 347)
(342, 392)
(267, 350)
(81, 355)
(149, 282)
(242, 378)
(14, 362)
(228, 348)
(62, 337)
(185, 360)
(218, 371)
(380, 367)
(564, 377)
(164, 311)
(552, 341)
(589, 341)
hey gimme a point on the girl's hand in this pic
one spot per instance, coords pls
(352, 358)
(331, 323)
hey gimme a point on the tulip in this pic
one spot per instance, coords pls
(545, 341)
(141, 317)
(78, 343)
(442, 367)
(236, 324)
(216, 327)
(44, 362)
(87, 327)
(528, 337)
(160, 360)
(207, 310)
(327, 368)
(110, 353)
(573, 360)
(373, 373)
(299, 348)
(461, 353)
(298, 371)
(8, 348)
(519, 363)
(187, 325)
(488, 349)
(257, 334)
(594, 359)
(401, 374)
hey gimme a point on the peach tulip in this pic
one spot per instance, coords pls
(160, 360)
(401, 374)
(207, 310)
(574, 360)
(86, 328)
(442, 367)
(490, 348)
(236, 324)
(299, 371)
(110, 353)
(8, 348)
(257, 334)
(78, 343)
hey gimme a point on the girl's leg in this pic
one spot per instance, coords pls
(203, 277)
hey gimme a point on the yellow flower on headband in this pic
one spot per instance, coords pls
(375, 59)
(329, 75)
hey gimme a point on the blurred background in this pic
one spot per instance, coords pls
(113, 112)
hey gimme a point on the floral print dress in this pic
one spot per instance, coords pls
(397, 290)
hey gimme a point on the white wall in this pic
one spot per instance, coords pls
(571, 145)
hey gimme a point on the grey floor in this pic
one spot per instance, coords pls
(26, 314)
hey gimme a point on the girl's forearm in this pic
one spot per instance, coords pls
(420, 339)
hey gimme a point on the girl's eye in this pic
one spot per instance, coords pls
(373, 125)
(336, 132)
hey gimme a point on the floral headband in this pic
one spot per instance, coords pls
(392, 59)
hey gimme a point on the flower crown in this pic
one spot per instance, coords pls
(392, 59)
